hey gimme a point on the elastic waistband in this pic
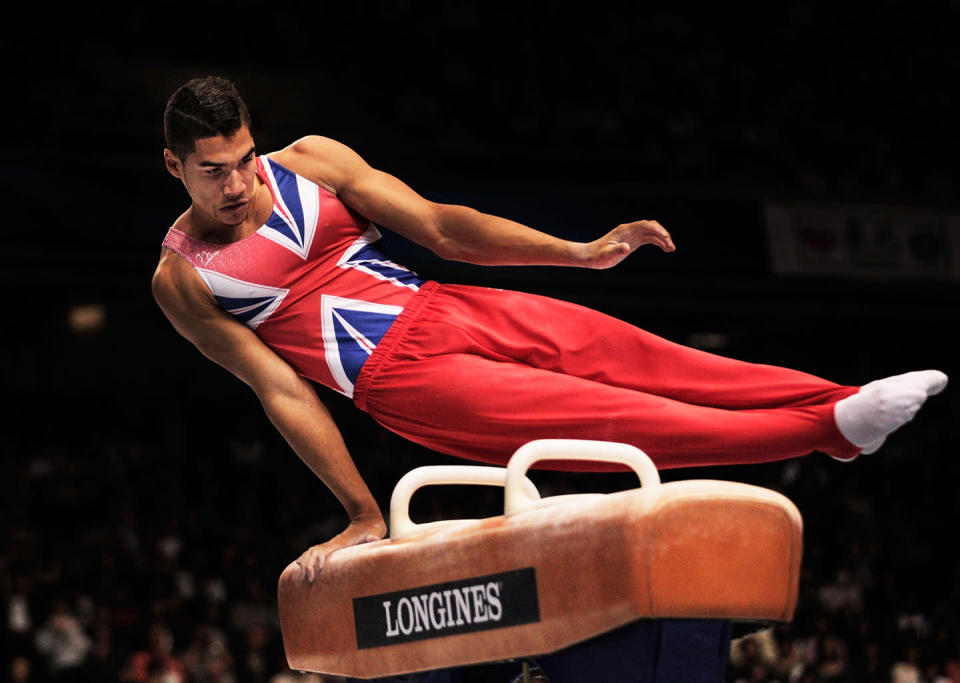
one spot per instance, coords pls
(390, 340)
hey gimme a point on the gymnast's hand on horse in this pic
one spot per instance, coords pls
(364, 528)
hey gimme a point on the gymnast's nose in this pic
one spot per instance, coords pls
(234, 186)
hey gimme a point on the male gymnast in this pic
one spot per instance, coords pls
(276, 272)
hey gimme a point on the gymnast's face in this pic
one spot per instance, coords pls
(220, 177)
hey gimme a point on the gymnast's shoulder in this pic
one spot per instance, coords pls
(325, 161)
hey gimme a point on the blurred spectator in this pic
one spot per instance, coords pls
(157, 661)
(216, 664)
(255, 664)
(833, 659)
(63, 644)
(933, 674)
(907, 668)
(791, 664)
(20, 670)
(842, 592)
(753, 656)
(18, 617)
(207, 658)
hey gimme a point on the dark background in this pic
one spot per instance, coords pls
(571, 120)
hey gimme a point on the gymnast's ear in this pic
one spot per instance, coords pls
(173, 163)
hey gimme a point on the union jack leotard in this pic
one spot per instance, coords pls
(313, 282)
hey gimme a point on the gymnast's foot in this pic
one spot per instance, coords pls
(883, 406)
(931, 381)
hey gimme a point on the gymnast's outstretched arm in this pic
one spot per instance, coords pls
(289, 401)
(456, 232)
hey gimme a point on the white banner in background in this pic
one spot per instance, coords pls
(863, 241)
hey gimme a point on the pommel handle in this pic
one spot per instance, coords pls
(516, 496)
(400, 522)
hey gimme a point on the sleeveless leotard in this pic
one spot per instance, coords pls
(313, 282)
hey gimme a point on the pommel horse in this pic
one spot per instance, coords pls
(548, 574)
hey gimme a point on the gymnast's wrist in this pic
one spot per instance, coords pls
(370, 525)
(366, 515)
(580, 254)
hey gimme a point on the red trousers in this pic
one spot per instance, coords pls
(477, 373)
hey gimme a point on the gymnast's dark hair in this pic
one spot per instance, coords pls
(202, 108)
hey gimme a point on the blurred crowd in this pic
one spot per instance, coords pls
(125, 558)
(880, 588)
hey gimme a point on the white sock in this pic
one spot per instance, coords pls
(866, 418)
(931, 381)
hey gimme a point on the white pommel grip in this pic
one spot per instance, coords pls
(516, 495)
(400, 522)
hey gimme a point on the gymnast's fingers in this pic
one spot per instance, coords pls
(308, 564)
(652, 232)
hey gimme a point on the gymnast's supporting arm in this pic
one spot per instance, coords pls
(456, 232)
(289, 401)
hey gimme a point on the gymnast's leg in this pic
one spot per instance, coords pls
(588, 344)
(482, 409)
(545, 368)
(570, 339)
